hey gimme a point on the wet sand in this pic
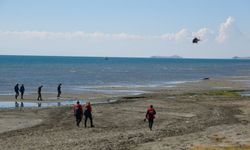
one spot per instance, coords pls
(51, 97)
(198, 115)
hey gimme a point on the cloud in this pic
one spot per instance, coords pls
(66, 35)
(51, 35)
(203, 33)
(181, 35)
(225, 29)
(42, 35)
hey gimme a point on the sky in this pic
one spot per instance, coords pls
(125, 28)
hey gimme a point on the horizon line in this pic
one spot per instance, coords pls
(155, 56)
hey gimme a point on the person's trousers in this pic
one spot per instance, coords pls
(78, 120)
(86, 119)
(150, 123)
(59, 94)
(39, 96)
(17, 94)
(22, 95)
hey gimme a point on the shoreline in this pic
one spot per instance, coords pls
(190, 116)
(68, 99)
(96, 92)
(95, 96)
(120, 89)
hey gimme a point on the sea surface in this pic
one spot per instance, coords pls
(84, 74)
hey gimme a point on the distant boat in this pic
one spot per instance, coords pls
(106, 58)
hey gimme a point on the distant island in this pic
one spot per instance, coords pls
(237, 57)
(174, 57)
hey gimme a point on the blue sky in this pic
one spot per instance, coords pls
(127, 28)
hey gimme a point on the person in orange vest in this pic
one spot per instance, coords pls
(88, 114)
(150, 116)
(78, 112)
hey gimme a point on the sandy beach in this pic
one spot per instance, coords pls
(145, 75)
(204, 115)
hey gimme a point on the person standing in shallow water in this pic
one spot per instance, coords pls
(59, 91)
(88, 114)
(16, 89)
(150, 115)
(22, 89)
(39, 98)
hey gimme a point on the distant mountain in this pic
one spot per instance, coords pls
(237, 57)
(174, 56)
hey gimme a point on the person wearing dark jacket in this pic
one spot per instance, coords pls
(59, 91)
(150, 116)
(16, 89)
(39, 98)
(22, 89)
(88, 114)
(78, 112)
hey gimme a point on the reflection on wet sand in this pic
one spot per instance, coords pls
(9, 104)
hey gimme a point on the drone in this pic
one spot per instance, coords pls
(196, 40)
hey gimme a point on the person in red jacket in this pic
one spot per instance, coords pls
(78, 112)
(150, 115)
(88, 114)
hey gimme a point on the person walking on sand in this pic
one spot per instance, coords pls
(16, 89)
(59, 91)
(88, 114)
(22, 89)
(150, 115)
(39, 98)
(78, 112)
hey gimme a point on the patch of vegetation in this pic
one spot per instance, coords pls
(190, 94)
(225, 93)
(229, 93)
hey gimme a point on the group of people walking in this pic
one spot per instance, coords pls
(17, 90)
(86, 110)
(82, 110)
(39, 91)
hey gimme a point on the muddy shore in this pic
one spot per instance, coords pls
(199, 115)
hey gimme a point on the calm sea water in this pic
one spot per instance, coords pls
(79, 74)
